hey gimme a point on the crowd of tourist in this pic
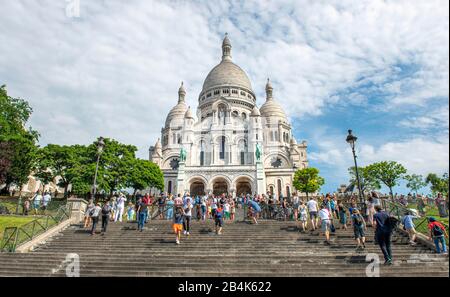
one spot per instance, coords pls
(324, 213)
(38, 202)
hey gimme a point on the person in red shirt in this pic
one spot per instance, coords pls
(438, 234)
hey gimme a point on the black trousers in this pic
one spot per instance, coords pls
(105, 220)
(94, 224)
(187, 223)
(384, 241)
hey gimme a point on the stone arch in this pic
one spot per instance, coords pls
(244, 184)
(220, 184)
(286, 163)
(168, 159)
(197, 185)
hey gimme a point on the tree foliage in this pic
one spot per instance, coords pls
(18, 144)
(438, 184)
(368, 182)
(307, 180)
(387, 172)
(145, 174)
(415, 182)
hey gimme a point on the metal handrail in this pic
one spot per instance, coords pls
(13, 236)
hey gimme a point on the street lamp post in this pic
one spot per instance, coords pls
(100, 146)
(351, 139)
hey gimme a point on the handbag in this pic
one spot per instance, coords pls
(332, 228)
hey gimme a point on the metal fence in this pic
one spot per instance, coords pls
(15, 236)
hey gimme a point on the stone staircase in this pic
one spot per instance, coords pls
(270, 248)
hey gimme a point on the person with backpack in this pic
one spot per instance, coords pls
(94, 213)
(106, 212)
(408, 225)
(359, 226)
(438, 233)
(218, 219)
(87, 216)
(302, 209)
(342, 216)
(177, 225)
(325, 222)
(384, 227)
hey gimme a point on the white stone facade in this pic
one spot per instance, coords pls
(220, 141)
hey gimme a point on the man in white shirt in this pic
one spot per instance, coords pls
(325, 220)
(312, 208)
(187, 217)
(120, 206)
(37, 202)
(45, 201)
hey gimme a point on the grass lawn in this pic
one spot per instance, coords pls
(13, 221)
(431, 212)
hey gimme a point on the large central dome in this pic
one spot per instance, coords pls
(226, 73)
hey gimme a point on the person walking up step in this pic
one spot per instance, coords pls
(342, 216)
(218, 218)
(130, 212)
(142, 212)
(177, 225)
(383, 232)
(359, 226)
(302, 209)
(312, 208)
(187, 216)
(325, 221)
(438, 233)
(87, 214)
(94, 214)
(106, 212)
(408, 225)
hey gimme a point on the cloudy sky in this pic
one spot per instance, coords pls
(380, 68)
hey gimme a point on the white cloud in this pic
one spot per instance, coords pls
(115, 71)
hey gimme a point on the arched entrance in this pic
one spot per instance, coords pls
(197, 188)
(243, 186)
(220, 186)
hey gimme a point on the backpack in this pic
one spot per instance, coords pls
(91, 212)
(437, 230)
(105, 210)
(358, 220)
(392, 222)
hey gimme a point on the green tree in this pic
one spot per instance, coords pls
(115, 166)
(66, 163)
(368, 183)
(145, 174)
(18, 144)
(387, 172)
(415, 182)
(438, 184)
(307, 180)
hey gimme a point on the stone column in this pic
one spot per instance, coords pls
(77, 208)
(181, 178)
(260, 178)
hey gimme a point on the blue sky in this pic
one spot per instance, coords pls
(380, 68)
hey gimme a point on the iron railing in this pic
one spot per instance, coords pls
(16, 236)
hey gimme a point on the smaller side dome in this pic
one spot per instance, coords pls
(255, 112)
(293, 141)
(158, 144)
(188, 114)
